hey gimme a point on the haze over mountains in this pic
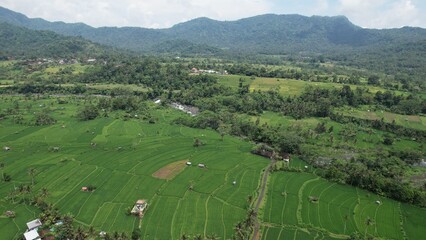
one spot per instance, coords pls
(265, 34)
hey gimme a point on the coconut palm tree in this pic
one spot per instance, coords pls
(346, 218)
(32, 172)
(80, 234)
(212, 236)
(123, 236)
(91, 231)
(198, 237)
(239, 230)
(368, 223)
(44, 192)
(2, 172)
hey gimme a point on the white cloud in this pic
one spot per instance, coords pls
(381, 13)
(146, 13)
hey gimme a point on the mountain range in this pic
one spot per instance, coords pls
(264, 34)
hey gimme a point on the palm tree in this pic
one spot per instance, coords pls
(32, 172)
(368, 223)
(44, 192)
(123, 236)
(198, 237)
(239, 229)
(184, 237)
(346, 218)
(212, 236)
(68, 219)
(251, 217)
(91, 231)
(80, 234)
(2, 172)
(249, 199)
(116, 235)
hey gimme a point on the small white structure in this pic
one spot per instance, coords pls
(6, 148)
(201, 165)
(234, 182)
(32, 235)
(306, 167)
(157, 101)
(34, 224)
(378, 202)
(102, 234)
(189, 163)
(139, 207)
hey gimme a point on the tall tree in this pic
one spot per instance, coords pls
(32, 172)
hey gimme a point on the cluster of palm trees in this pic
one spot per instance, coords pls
(212, 236)
(244, 229)
(50, 215)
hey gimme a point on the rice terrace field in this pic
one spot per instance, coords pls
(121, 166)
(304, 206)
(133, 159)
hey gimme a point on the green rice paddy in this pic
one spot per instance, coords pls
(340, 211)
(196, 201)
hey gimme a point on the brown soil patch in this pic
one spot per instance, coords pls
(170, 171)
(415, 119)
(372, 116)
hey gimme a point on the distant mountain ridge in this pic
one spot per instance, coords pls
(19, 42)
(267, 34)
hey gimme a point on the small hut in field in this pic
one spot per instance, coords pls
(140, 207)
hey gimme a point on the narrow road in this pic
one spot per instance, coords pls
(260, 198)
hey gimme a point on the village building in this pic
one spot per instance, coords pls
(140, 207)
(84, 189)
(201, 165)
(188, 163)
(34, 224)
(285, 157)
(6, 148)
(32, 235)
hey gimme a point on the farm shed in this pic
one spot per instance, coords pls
(6, 148)
(201, 165)
(140, 207)
(84, 189)
(34, 224)
(189, 163)
(31, 235)
(285, 157)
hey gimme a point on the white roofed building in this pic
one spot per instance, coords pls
(34, 224)
(32, 235)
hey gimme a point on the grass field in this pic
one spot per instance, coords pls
(287, 87)
(409, 121)
(364, 141)
(340, 211)
(195, 201)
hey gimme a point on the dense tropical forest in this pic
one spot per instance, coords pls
(221, 143)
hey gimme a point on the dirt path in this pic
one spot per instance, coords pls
(256, 234)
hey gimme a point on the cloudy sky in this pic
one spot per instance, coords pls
(165, 13)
